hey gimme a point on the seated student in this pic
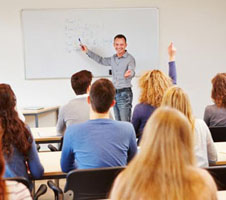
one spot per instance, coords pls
(18, 146)
(153, 84)
(99, 142)
(215, 115)
(165, 168)
(204, 146)
(11, 190)
(76, 110)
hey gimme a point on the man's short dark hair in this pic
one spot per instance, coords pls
(80, 81)
(102, 94)
(120, 36)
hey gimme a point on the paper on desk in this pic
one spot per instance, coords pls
(224, 151)
(48, 133)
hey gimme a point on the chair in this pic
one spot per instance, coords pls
(53, 148)
(41, 190)
(219, 175)
(218, 134)
(89, 184)
(58, 193)
(38, 147)
(20, 180)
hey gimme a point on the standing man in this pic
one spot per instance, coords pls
(123, 70)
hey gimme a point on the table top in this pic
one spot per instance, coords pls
(221, 152)
(221, 195)
(45, 134)
(39, 111)
(51, 163)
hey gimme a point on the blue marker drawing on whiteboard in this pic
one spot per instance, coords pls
(81, 44)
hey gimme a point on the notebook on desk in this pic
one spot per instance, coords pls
(34, 108)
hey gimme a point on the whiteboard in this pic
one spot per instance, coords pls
(51, 46)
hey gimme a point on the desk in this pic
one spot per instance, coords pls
(51, 163)
(37, 112)
(46, 135)
(221, 152)
(221, 195)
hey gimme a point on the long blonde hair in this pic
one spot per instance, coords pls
(153, 84)
(175, 97)
(163, 169)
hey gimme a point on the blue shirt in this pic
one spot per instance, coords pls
(16, 164)
(119, 66)
(98, 143)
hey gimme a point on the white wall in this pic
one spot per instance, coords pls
(197, 27)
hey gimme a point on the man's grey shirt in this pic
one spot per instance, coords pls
(119, 66)
(74, 112)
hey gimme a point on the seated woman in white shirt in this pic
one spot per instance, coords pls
(205, 150)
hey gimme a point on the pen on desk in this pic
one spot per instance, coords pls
(81, 44)
(39, 134)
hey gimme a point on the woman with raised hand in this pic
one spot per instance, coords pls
(215, 115)
(165, 169)
(153, 84)
(18, 146)
(205, 150)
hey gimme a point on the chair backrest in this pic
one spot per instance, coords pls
(20, 180)
(218, 134)
(219, 175)
(90, 183)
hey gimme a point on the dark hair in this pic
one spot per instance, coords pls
(120, 36)
(219, 90)
(102, 94)
(80, 81)
(15, 133)
(3, 193)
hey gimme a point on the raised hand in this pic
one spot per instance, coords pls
(172, 52)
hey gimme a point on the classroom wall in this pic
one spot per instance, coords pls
(197, 27)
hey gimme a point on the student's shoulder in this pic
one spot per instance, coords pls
(123, 124)
(209, 191)
(200, 122)
(72, 103)
(201, 126)
(75, 128)
(143, 106)
(211, 108)
(206, 176)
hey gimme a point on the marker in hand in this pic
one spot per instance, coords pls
(83, 48)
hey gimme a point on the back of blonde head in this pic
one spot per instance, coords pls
(175, 97)
(153, 84)
(163, 169)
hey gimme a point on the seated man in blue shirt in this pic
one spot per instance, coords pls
(100, 141)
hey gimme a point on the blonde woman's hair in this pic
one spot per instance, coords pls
(163, 169)
(175, 97)
(153, 84)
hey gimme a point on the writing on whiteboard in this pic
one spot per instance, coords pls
(91, 34)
